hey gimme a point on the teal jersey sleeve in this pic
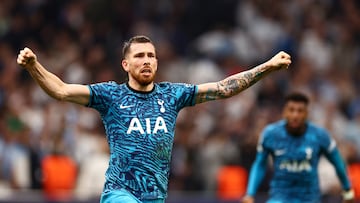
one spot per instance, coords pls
(340, 167)
(331, 152)
(101, 95)
(257, 173)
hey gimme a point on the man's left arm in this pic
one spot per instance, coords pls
(340, 167)
(236, 83)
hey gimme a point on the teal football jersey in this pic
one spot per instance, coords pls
(295, 162)
(140, 132)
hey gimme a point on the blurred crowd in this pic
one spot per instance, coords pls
(197, 41)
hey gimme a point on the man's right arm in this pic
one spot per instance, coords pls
(50, 83)
(257, 174)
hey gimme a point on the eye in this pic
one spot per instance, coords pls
(139, 55)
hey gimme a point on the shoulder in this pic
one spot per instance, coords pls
(274, 128)
(106, 85)
(106, 89)
(317, 130)
(162, 85)
(174, 86)
(272, 131)
(320, 135)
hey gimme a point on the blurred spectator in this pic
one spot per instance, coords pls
(59, 174)
(92, 172)
(15, 165)
(231, 182)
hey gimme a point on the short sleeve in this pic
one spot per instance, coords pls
(187, 94)
(183, 93)
(263, 140)
(100, 95)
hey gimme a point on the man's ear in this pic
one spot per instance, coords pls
(125, 64)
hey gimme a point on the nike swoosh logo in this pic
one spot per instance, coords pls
(126, 106)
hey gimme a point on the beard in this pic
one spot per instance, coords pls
(143, 80)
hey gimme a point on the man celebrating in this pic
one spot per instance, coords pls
(139, 116)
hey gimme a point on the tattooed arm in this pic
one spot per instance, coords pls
(236, 83)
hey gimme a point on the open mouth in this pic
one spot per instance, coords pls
(145, 70)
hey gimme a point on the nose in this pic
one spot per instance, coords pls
(146, 61)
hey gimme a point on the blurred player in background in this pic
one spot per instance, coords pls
(295, 145)
(139, 116)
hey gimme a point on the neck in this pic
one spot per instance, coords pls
(141, 88)
(296, 131)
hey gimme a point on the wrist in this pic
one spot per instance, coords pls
(348, 194)
(270, 67)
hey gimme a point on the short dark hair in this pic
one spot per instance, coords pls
(134, 39)
(297, 97)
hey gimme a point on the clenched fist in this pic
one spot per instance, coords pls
(281, 60)
(26, 58)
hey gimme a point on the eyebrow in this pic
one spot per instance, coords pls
(144, 53)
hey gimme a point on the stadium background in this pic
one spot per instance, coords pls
(197, 41)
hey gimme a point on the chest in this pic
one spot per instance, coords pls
(152, 115)
(294, 148)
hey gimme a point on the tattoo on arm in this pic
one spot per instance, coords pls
(233, 85)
